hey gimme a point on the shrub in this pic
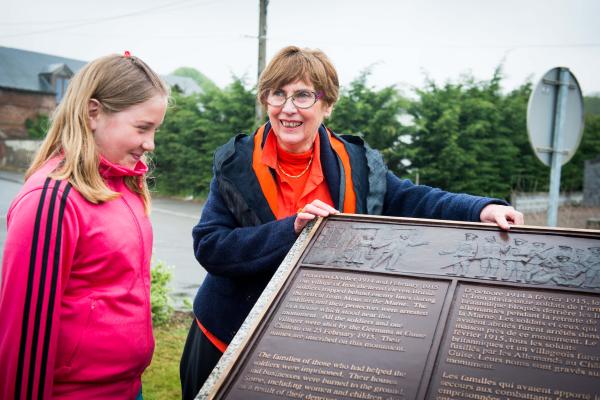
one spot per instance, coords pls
(37, 126)
(162, 308)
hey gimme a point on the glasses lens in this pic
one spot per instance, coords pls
(304, 98)
(301, 98)
(276, 98)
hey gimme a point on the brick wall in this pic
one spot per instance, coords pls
(17, 106)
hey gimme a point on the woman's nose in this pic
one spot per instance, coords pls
(288, 106)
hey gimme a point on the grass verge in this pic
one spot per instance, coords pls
(161, 379)
(568, 217)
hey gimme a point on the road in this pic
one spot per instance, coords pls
(172, 220)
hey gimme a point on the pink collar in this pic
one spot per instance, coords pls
(108, 169)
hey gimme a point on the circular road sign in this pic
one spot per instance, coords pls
(541, 116)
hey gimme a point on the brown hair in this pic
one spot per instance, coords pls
(116, 82)
(291, 64)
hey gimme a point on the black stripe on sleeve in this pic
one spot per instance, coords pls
(41, 287)
(53, 285)
(32, 261)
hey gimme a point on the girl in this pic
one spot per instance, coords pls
(75, 294)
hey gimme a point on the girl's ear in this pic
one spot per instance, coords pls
(93, 113)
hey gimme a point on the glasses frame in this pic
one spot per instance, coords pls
(318, 96)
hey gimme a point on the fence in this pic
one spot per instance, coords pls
(16, 154)
(538, 202)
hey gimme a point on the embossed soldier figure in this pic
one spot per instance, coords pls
(390, 249)
(330, 248)
(491, 257)
(564, 250)
(465, 252)
(362, 250)
(515, 260)
(571, 273)
(536, 254)
(592, 265)
(551, 269)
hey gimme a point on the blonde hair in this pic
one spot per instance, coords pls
(291, 64)
(116, 82)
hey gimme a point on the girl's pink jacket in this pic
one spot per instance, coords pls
(75, 319)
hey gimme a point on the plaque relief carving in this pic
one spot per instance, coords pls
(493, 255)
(411, 309)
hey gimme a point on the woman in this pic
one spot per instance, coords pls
(75, 296)
(268, 186)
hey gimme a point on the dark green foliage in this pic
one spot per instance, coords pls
(529, 174)
(464, 137)
(373, 115)
(532, 175)
(469, 137)
(193, 128)
(37, 126)
(178, 142)
(591, 105)
(462, 140)
(225, 114)
(589, 149)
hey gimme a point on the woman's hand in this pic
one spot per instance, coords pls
(314, 209)
(503, 216)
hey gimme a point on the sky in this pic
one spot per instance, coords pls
(402, 42)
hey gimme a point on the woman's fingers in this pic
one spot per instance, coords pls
(320, 208)
(310, 211)
(301, 220)
(503, 216)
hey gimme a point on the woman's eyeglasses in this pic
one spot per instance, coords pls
(300, 98)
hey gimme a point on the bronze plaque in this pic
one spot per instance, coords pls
(517, 343)
(391, 308)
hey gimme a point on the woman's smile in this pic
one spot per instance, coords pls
(290, 124)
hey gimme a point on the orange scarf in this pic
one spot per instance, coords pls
(284, 197)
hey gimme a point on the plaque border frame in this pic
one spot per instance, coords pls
(233, 359)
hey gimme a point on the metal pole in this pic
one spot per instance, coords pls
(557, 150)
(262, 50)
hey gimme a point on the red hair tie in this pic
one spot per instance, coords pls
(127, 54)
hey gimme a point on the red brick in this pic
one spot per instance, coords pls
(17, 106)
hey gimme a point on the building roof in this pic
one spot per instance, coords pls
(186, 85)
(21, 69)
